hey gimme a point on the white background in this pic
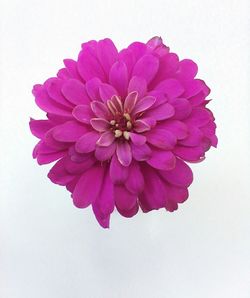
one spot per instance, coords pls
(49, 248)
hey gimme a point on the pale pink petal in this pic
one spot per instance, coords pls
(100, 124)
(144, 124)
(124, 154)
(130, 101)
(84, 193)
(106, 139)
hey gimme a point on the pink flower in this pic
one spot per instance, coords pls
(122, 125)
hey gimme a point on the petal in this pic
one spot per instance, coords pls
(171, 87)
(105, 153)
(139, 85)
(192, 88)
(199, 117)
(75, 92)
(54, 89)
(103, 206)
(192, 154)
(154, 193)
(100, 109)
(40, 127)
(100, 124)
(92, 88)
(84, 193)
(138, 49)
(47, 104)
(71, 66)
(77, 168)
(141, 153)
(194, 137)
(127, 56)
(124, 154)
(89, 67)
(106, 139)
(161, 112)
(162, 160)
(43, 159)
(129, 213)
(70, 131)
(137, 139)
(130, 101)
(124, 199)
(135, 180)
(118, 173)
(83, 113)
(144, 124)
(176, 194)
(143, 104)
(106, 92)
(181, 175)
(161, 138)
(107, 54)
(182, 108)
(146, 67)
(118, 77)
(187, 70)
(178, 128)
(58, 174)
(87, 142)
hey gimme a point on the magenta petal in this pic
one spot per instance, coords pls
(84, 193)
(192, 154)
(100, 109)
(176, 194)
(118, 77)
(70, 131)
(137, 139)
(130, 101)
(107, 54)
(103, 206)
(161, 138)
(106, 92)
(143, 104)
(187, 70)
(106, 139)
(124, 199)
(124, 154)
(127, 56)
(139, 85)
(135, 180)
(171, 87)
(75, 92)
(154, 193)
(77, 168)
(181, 175)
(58, 174)
(100, 124)
(71, 67)
(146, 67)
(118, 172)
(162, 160)
(43, 159)
(54, 89)
(40, 127)
(144, 124)
(182, 108)
(138, 49)
(89, 67)
(129, 213)
(92, 88)
(47, 104)
(83, 113)
(178, 128)
(199, 117)
(87, 142)
(141, 153)
(105, 153)
(161, 112)
(194, 137)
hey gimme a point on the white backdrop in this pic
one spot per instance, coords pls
(49, 248)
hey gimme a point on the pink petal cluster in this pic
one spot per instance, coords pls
(122, 125)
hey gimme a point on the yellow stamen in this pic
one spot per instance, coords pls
(118, 133)
(129, 125)
(126, 135)
(127, 116)
(112, 122)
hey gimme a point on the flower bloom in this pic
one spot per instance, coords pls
(121, 127)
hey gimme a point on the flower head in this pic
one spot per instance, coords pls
(122, 125)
